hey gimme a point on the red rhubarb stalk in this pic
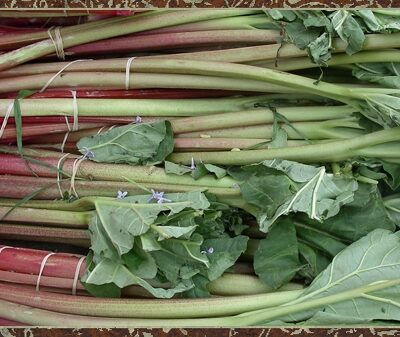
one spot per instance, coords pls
(76, 237)
(134, 43)
(28, 261)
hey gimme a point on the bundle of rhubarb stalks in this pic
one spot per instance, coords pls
(200, 168)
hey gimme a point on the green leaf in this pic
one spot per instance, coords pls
(140, 263)
(314, 261)
(276, 260)
(285, 15)
(172, 168)
(298, 34)
(392, 205)
(393, 177)
(323, 241)
(149, 242)
(18, 117)
(225, 252)
(200, 287)
(348, 30)
(134, 144)
(168, 232)
(319, 50)
(119, 221)
(386, 74)
(180, 258)
(356, 219)
(322, 318)
(110, 272)
(371, 260)
(204, 169)
(262, 187)
(318, 194)
(279, 134)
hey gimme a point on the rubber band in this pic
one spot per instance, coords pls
(75, 125)
(57, 41)
(59, 174)
(6, 117)
(76, 276)
(75, 167)
(101, 129)
(66, 134)
(58, 73)
(67, 122)
(128, 72)
(64, 141)
(41, 270)
(5, 247)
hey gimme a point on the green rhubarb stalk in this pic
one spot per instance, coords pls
(114, 80)
(38, 216)
(212, 144)
(270, 52)
(236, 284)
(19, 312)
(304, 84)
(331, 129)
(336, 151)
(301, 305)
(298, 63)
(260, 116)
(20, 186)
(115, 172)
(147, 308)
(132, 107)
(249, 22)
(121, 26)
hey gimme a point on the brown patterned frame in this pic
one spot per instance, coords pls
(209, 332)
(108, 4)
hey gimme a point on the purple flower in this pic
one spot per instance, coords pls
(138, 120)
(159, 196)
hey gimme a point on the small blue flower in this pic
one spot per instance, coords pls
(208, 251)
(138, 120)
(87, 154)
(159, 196)
(121, 195)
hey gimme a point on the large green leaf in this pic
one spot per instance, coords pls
(276, 260)
(135, 144)
(135, 240)
(111, 272)
(349, 30)
(119, 221)
(313, 260)
(356, 219)
(355, 271)
(280, 187)
(225, 252)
